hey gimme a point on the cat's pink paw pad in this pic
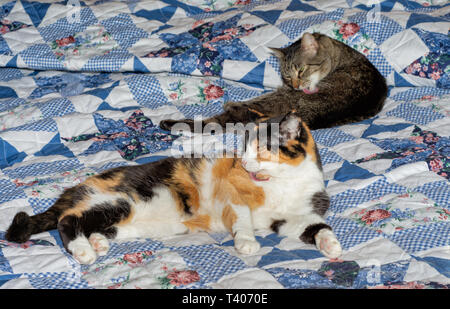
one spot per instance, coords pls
(328, 244)
(100, 243)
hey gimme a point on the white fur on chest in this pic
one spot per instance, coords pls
(291, 194)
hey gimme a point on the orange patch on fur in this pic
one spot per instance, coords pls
(257, 112)
(200, 222)
(233, 184)
(77, 210)
(229, 217)
(280, 157)
(181, 180)
(104, 185)
(310, 146)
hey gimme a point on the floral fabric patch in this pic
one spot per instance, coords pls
(423, 145)
(9, 26)
(188, 92)
(94, 41)
(347, 32)
(143, 269)
(435, 64)
(392, 215)
(134, 137)
(206, 46)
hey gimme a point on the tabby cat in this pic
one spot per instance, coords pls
(277, 184)
(326, 81)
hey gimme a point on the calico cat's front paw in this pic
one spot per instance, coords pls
(246, 246)
(100, 243)
(82, 251)
(328, 244)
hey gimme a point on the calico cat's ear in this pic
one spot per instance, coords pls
(290, 127)
(309, 44)
(279, 52)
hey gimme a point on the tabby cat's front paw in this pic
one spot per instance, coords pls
(246, 246)
(167, 124)
(231, 106)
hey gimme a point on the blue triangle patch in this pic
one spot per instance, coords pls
(139, 66)
(162, 15)
(9, 155)
(400, 81)
(269, 16)
(415, 19)
(103, 93)
(296, 5)
(255, 77)
(350, 171)
(55, 147)
(106, 106)
(7, 92)
(440, 264)
(375, 129)
(36, 11)
(13, 62)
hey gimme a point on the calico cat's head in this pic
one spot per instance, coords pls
(306, 62)
(278, 146)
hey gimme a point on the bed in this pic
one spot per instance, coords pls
(84, 84)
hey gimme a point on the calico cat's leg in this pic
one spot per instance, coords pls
(311, 229)
(238, 220)
(85, 233)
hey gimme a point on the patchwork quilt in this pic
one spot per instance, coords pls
(84, 84)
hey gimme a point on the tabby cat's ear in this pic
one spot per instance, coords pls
(279, 52)
(290, 127)
(309, 44)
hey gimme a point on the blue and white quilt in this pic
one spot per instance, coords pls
(84, 84)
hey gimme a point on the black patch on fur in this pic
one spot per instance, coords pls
(276, 224)
(78, 193)
(311, 231)
(19, 231)
(99, 219)
(320, 202)
(68, 229)
(142, 179)
(184, 200)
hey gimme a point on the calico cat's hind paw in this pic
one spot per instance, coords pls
(246, 246)
(100, 243)
(328, 244)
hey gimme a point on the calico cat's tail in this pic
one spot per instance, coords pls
(23, 225)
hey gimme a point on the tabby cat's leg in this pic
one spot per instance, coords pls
(311, 229)
(238, 220)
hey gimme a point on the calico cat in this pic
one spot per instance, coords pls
(326, 81)
(277, 185)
